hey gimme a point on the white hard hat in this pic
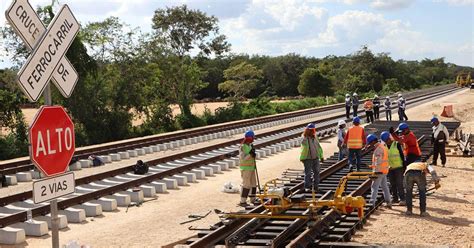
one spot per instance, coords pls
(399, 94)
(376, 96)
(348, 94)
(387, 97)
(341, 122)
(355, 94)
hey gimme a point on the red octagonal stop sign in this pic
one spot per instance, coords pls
(52, 140)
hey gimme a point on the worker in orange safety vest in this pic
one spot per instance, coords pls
(354, 140)
(380, 167)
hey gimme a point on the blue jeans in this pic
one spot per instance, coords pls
(356, 153)
(342, 152)
(381, 180)
(311, 173)
(417, 177)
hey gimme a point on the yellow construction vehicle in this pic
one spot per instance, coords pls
(277, 200)
(463, 79)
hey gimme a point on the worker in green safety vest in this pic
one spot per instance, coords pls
(395, 162)
(311, 154)
(248, 167)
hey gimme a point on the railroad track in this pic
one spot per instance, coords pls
(105, 191)
(185, 137)
(332, 230)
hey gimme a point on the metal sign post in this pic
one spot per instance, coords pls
(47, 61)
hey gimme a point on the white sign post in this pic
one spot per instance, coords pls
(53, 187)
(27, 24)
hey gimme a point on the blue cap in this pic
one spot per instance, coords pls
(311, 126)
(402, 126)
(385, 136)
(356, 119)
(249, 134)
(371, 138)
(434, 119)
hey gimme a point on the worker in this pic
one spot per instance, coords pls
(369, 110)
(248, 168)
(411, 149)
(439, 139)
(388, 108)
(355, 140)
(341, 134)
(348, 104)
(401, 108)
(380, 166)
(355, 103)
(311, 153)
(395, 163)
(376, 102)
(416, 174)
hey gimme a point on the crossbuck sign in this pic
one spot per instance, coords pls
(47, 60)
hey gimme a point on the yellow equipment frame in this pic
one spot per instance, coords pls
(276, 204)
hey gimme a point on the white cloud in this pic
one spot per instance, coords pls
(456, 2)
(390, 4)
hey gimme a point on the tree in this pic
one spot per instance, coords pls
(241, 79)
(277, 79)
(183, 30)
(312, 83)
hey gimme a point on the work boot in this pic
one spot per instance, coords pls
(351, 168)
(402, 203)
(243, 204)
(424, 214)
(444, 165)
(408, 213)
(388, 205)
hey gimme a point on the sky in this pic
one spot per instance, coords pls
(406, 29)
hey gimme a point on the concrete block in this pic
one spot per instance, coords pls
(135, 196)
(36, 175)
(171, 183)
(140, 151)
(200, 139)
(75, 166)
(115, 157)
(11, 180)
(74, 215)
(132, 153)
(167, 146)
(148, 191)
(24, 176)
(62, 220)
(191, 177)
(123, 200)
(216, 168)
(106, 203)
(232, 162)
(12, 236)
(32, 227)
(162, 147)
(224, 166)
(155, 148)
(106, 158)
(173, 144)
(91, 209)
(182, 180)
(85, 163)
(207, 170)
(159, 186)
(195, 140)
(181, 143)
(200, 174)
(260, 154)
(148, 150)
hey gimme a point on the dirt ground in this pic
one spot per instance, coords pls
(157, 222)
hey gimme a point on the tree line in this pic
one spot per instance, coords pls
(126, 74)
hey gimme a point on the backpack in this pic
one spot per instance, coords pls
(140, 168)
(96, 161)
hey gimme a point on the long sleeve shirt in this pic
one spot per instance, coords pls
(355, 101)
(341, 134)
(410, 141)
(387, 104)
(348, 101)
(440, 133)
(401, 103)
(376, 102)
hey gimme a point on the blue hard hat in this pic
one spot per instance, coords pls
(371, 138)
(249, 134)
(402, 126)
(311, 126)
(385, 136)
(434, 119)
(356, 119)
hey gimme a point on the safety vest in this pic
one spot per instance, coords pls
(368, 105)
(417, 166)
(305, 149)
(354, 141)
(405, 149)
(394, 159)
(246, 161)
(382, 166)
